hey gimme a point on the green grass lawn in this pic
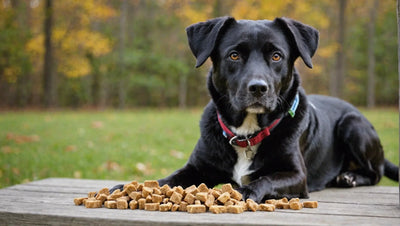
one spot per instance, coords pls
(121, 145)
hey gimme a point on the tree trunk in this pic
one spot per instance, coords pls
(337, 81)
(371, 55)
(182, 91)
(48, 69)
(122, 76)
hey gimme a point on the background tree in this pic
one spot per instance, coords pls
(337, 80)
(49, 94)
(371, 55)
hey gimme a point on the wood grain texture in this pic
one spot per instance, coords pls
(50, 201)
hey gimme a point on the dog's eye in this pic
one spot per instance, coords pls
(234, 56)
(276, 57)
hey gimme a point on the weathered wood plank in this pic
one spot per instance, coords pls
(361, 195)
(50, 201)
(38, 199)
(105, 216)
(365, 198)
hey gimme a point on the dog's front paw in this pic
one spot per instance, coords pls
(346, 179)
(116, 187)
(248, 193)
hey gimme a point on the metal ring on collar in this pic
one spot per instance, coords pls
(233, 139)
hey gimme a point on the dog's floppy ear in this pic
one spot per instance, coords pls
(203, 36)
(305, 38)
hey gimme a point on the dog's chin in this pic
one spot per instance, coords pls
(256, 109)
(260, 108)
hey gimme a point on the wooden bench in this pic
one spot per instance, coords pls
(50, 201)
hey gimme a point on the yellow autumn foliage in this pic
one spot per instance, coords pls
(71, 45)
(74, 66)
(328, 50)
(267, 9)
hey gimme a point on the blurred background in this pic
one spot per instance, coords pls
(134, 53)
(107, 89)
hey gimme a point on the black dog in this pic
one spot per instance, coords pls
(260, 131)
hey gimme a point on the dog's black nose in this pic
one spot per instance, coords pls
(257, 87)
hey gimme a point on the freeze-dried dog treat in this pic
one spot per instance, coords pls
(164, 207)
(229, 203)
(141, 203)
(294, 200)
(197, 202)
(165, 200)
(139, 187)
(189, 198)
(202, 188)
(136, 195)
(284, 200)
(116, 194)
(93, 203)
(164, 189)
(236, 195)
(295, 205)
(79, 201)
(133, 204)
(175, 207)
(310, 204)
(134, 183)
(234, 209)
(224, 197)
(151, 184)
(129, 188)
(183, 206)
(271, 201)
(216, 193)
(105, 191)
(243, 204)
(282, 205)
(251, 205)
(151, 206)
(218, 209)
(146, 191)
(110, 204)
(157, 191)
(176, 198)
(192, 190)
(170, 204)
(227, 188)
(202, 196)
(101, 197)
(149, 199)
(156, 198)
(196, 208)
(267, 207)
(210, 200)
(179, 190)
(169, 193)
(122, 204)
(92, 194)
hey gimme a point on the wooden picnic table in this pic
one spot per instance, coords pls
(50, 202)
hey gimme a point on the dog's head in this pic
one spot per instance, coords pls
(252, 60)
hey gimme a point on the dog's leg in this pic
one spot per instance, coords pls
(362, 150)
(289, 181)
(116, 187)
(185, 177)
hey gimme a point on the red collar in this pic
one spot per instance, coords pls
(249, 140)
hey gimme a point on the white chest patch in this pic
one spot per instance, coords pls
(241, 168)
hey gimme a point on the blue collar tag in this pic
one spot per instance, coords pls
(292, 110)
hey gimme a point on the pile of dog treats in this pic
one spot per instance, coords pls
(150, 196)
